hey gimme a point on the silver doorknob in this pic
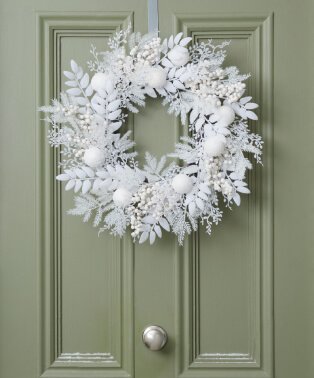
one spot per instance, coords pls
(154, 337)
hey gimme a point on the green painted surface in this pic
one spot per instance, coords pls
(238, 304)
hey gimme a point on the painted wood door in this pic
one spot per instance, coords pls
(237, 304)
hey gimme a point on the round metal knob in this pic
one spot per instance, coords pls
(154, 337)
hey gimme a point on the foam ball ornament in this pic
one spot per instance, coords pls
(93, 157)
(179, 56)
(215, 145)
(157, 78)
(122, 197)
(102, 82)
(225, 115)
(182, 183)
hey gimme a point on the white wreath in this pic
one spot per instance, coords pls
(96, 158)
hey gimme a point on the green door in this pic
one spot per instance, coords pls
(238, 304)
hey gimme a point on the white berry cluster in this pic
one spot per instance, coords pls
(216, 178)
(152, 200)
(210, 85)
(85, 119)
(121, 57)
(142, 201)
(149, 54)
(69, 111)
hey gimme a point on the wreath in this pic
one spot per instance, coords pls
(98, 160)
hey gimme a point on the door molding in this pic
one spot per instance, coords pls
(257, 32)
(118, 362)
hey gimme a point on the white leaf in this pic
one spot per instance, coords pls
(98, 100)
(164, 46)
(149, 219)
(112, 96)
(63, 177)
(224, 131)
(190, 169)
(161, 91)
(85, 80)
(115, 126)
(70, 173)
(234, 176)
(199, 203)
(107, 183)
(185, 76)
(78, 186)
(80, 173)
(251, 115)
(240, 183)
(86, 186)
(119, 169)
(74, 66)
(158, 231)
(79, 74)
(189, 198)
(143, 237)
(102, 174)
(70, 184)
(207, 128)
(251, 105)
(89, 171)
(97, 184)
(177, 38)
(237, 199)
(185, 41)
(170, 87)
(164, 224)
(69, 75)
(81, 100)
(152, 237)
(172, 72)
(199, 123)
(114, 105)
(242, 113)
(202, 195)
(89, 91)
(73, 91)
(166, 63)
(194, 114)
(236, 107)
(178, 84)
(150, 91)
(192, 208)
(180, 71)
(71, 83)
(114, 115)
(111, 170)
(243, 189)
(99, 109)
(244, 100)
(204, 188)
(170, 42)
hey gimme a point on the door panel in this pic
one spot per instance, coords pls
(229, 331)
(236, 304)
(88, 285)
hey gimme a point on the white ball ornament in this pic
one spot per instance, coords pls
(157, 78)
(102, 82)
(215, 145)
(224, 115)
(122, 197)
(182, 183)
(93, 157)
(179, 56)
